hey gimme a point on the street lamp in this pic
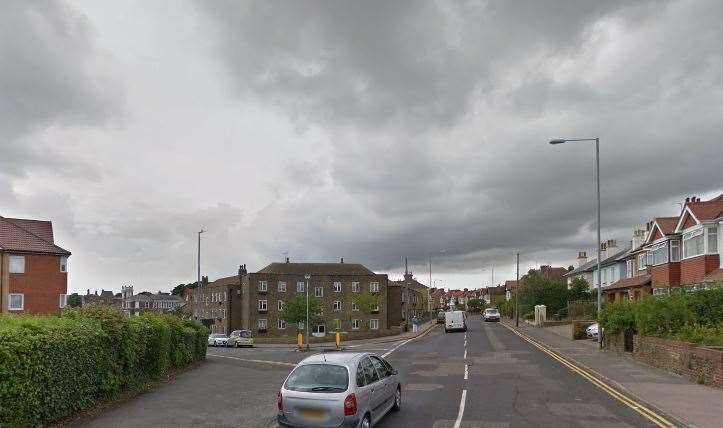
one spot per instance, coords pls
(308, 329)
(597, 175)
(430, 276)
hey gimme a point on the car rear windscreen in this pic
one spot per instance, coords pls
(318, 378)
(245, 334)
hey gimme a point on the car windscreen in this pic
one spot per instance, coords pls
(217, 335)
(245, 334)
(318, 378)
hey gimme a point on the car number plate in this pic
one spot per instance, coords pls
(316, 414)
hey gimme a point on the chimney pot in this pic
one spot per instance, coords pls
(342, 260)
(287, 260)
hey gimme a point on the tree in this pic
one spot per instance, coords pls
(74, 301)
(182, 312)
(540, 290)
(295, 310)
(579, 290)
(476, 305)
(367, 302)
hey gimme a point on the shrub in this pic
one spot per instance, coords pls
(662, 317)
(616, 317)
(53, 366)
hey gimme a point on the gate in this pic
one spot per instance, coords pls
(628, 340)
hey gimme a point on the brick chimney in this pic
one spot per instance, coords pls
(581, 258)
(603, 251)
(342, 260)
(638, 236)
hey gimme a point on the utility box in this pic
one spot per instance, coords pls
(540, 315)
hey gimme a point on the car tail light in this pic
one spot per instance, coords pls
(350, 405)
(280, 402)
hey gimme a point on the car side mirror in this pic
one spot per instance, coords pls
(395, 372)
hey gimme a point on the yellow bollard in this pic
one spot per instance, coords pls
(300, 340)
(338, 339)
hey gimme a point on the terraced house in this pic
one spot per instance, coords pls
(264, 294)
(33, 270)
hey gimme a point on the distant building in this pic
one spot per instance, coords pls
(408, 298)
(219, 307)
(136, 304)
(105, 298)
(33, 270)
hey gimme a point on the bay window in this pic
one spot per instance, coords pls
(674, 251)
(693, 244)
(658, 254)
(641, 261)
(712, 240)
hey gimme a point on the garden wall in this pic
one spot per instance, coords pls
(699, 363)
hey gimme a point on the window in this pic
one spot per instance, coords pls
(674, 251)
(658, 254)
(337, 324)
(63, 300)
(693, 243)
(262, 324)
(375, 308)
(355, 324)
(263, 286)
(319, 328)
(354, 307)
(318, 291)
(280, 305)
(337, 287)
(300, 286)
(660, 291)
(374, 287)
(63, 264)
(282, 287)
(712, 240)
(641, 261)
(360, 380)
(380, 367)
(17, 264)
(280, 324)
(336, 305)
(370, 373)
(629, 268)
(16, 302)
(374, 324)
(263, 305)
(354, 287)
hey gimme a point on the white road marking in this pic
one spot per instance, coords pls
(278, 363)
(466, 372)
(465, 353)
(458, 422)
(397, 347)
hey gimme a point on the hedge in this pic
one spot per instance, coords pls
(54, 366)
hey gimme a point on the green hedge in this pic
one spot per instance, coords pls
(695, 316)
(53, 366)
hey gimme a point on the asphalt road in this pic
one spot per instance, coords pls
(504, 380)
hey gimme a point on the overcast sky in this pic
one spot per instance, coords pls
(366, 130)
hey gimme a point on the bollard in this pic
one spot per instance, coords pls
(338, 339)
(300, 340)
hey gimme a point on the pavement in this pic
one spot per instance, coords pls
(685, 402)
(486, 377)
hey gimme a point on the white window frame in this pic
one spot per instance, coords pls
(355, 288)
(690, 235)
(374, 324)
(337, 286)
(708, 240)
(17, 264)
(316, 328)
(64, 264)
(62, 300)
(282, 287)
(337, 324)
(263, 305)
(629, 268)
(655, 250)
(336, 305)
(300, 286)
(354, 307)
(675, 244)
(642, 261)
(264, 322)
(355, 324)
(22, 302)
(301, 325)
(280, 305)
(318, 291)
(263, 286)
(373, 287)
(375, 308)
(660, 291)
(280, 324)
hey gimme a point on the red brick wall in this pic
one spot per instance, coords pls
(699, 364)
(693, 270)
(664, 275)
(42, 284)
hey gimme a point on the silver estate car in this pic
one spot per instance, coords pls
(339, 389)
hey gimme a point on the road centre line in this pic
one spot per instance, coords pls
(655, 418)
(466, 372)
(278, 363)
(458, 422)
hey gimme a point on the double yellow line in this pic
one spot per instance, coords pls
(652, 416)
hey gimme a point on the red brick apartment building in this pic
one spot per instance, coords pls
(33, 270)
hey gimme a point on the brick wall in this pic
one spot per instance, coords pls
(693, 270)
(578, 329)
(615, 343)
(664, 275)
(42, 284)
(700, 364)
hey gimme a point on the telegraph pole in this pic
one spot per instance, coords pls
(308, 328)
(198, 284)
(517, 292)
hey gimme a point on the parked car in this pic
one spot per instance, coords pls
(240, 338)
(592, 331)
(491, 314)
(340, 389)
(217, 339)
(455, 320)
(440, 317)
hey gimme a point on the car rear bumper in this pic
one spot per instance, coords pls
(349, 422)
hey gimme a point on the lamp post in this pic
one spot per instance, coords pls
(199, 294)
(308, 329)
(597, 175)
(430, 274)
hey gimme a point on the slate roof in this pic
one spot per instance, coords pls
(28, 236)
(592, 265)
(635, 281)
(317, 269)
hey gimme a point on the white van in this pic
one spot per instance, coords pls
(455, 320)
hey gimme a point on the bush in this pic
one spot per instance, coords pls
(53, 366)
(616, 317)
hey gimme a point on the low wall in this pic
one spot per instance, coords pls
(615, 343)
(554, 323)
(331, 336)
(578, 328)
(700, 364)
